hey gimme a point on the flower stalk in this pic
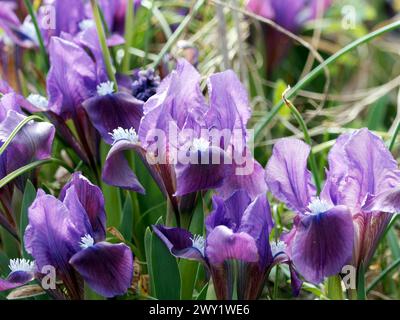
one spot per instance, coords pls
(307, 138)
(103, 43)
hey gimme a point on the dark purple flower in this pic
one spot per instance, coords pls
(344, 224)
(69, 234)
(145, 84)
(237, 232)
(33, 142)
(177, 132)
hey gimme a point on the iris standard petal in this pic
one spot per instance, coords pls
(223, 244)
(228, 212)
(181, 243)
(287, 175)
(71, 78)
(372, 169)
(178, 95)
(229, 104)
(107, 268)
(323, 243)
(112, 111)
(257, 222)
(92, 200)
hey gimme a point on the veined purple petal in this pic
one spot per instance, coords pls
(257, 222)
(223, 244)
(387, 201)
(51, 239)
(91, 200)
(206, 170)
(116, 171)
(106, 267)
(68, 16)
(229, 105)
(177, 96)
(112, 111)
(15, 279)
(32, 142)
(287, 175)
(181, 243)
(249, 176)
(368, 229)
(371, 169)
(228, 212)
(71, 78)
(338, 169)
(323, 243)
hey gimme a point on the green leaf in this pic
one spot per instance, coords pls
(126, 227)
(163, 270)
(112, 197)
(361, 295)
(203, 293)
(188, 269)
(27, 199)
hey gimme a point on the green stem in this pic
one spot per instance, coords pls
(317, 70)
(334, 288)
(28, 5)
(178, 32)
(147, 33)
(103, 43)
(29, 167)
(276, 283)
(128, 36)
(393, 138)
(307, 138)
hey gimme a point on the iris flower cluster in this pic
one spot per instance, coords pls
(170, 125)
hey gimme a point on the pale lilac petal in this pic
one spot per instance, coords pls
(223, 244)
(229, 104)
(287, 175)
(250, 176)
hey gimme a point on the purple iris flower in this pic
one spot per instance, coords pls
(69, 234)
(76, 16)
(33, 142)
(290, 14)
(342, 225)
(178, 124)
(21, 34)
(238, 230)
